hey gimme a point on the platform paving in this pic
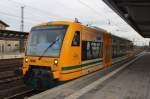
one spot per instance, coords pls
(132, 83)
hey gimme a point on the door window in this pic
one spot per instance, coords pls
(76, 39)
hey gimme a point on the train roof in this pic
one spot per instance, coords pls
(99, 29)
(70, 22)
(86, 26)
(56, 22)
(120, 38)
(113, 36)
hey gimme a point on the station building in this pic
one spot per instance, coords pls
(11, 41)
(3, 25)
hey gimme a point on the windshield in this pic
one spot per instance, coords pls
(42, 37)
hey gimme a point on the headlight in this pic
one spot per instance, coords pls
(55, 62)
(26, 60)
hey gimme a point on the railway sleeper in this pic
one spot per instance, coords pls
(10, 79)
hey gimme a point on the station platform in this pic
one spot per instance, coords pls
(11, 55)
(130, 81)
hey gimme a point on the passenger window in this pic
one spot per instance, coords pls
(92, 50)
(76, 39)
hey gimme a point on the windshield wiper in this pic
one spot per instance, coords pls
(48, 48)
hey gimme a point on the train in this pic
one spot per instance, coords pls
(61, 51)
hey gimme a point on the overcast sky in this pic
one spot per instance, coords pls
(94, 12)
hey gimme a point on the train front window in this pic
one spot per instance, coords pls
(46, 40)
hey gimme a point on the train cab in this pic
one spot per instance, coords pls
(51, 46)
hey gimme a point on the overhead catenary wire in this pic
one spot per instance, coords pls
(97, 13)
(92, 9)
(89, 7)
(15, 16)
(50, 14)
(28, 11)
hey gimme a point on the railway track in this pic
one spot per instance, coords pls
(18, 92)
(12, 85)
(8, 61)
(21, 95)
(9, 81)
(8, 68)
(10, 64)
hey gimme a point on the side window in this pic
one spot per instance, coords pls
(91, 50)
(76, 39)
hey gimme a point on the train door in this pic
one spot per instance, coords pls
(70, 62)
(107, 50)
(76, 53)
(76, 47)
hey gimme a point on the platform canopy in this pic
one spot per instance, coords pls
(135, 12)
(12, 35)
